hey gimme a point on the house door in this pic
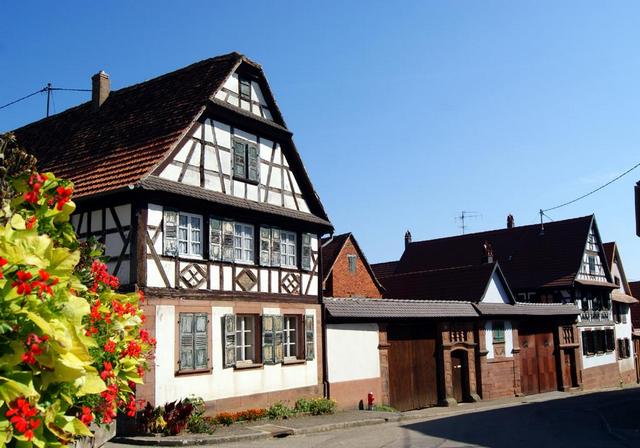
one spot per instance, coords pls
(412, 367)
(537, 360)
(569, 368)
(460, 375)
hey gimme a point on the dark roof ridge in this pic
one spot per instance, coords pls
(137, 84)
(450, 268)
(493, 231)
(412, 301)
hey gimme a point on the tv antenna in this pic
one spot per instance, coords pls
(463, 216)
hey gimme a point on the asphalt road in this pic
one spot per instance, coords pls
(601, 420)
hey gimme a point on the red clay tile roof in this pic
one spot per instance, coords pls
(115, 146)
(528, 258)
(396, 309)
(466, 283)
(384, 269)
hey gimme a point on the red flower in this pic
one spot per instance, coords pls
(102, 277)
(31, 222)
(33, 348)
(63, 195)
(3, 262)
(110, 346)
(23, 282)
(141, 295)
(133, 350)
(131, 407)
(87, 416)
(107, 372)
(21, 415)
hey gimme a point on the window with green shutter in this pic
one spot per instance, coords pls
(194, 342)
(309, 336)
(170, 231)
(306, 251)
(246, 161)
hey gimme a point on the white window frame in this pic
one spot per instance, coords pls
(245, 339)
(290, 337)
(189, 240)
(247, 243)
(288, 248)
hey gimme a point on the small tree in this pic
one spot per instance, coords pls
(72, 349)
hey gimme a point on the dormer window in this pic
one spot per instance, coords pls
(245, 89)
(245, 161)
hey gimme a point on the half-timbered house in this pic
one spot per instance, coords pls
(194, 184)
(558, 262)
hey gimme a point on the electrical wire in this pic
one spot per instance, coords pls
(591, 192)
(44, 89)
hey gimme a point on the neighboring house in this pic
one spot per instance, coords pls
(437, 337)
(622, 300)
(560, 262)
(194, 184)
(352, 347)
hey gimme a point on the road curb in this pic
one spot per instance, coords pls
(214, 440)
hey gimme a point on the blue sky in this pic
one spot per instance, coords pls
(405, 112)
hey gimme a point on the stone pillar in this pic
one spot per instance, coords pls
(517, 378)
(383, 350)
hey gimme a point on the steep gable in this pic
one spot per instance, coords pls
(530, 257)
(115, 146)
(346, 271)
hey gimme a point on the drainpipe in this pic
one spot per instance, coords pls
(325, 367)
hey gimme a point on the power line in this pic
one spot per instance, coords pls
(592, 191)
(49, 89)
(23, 98)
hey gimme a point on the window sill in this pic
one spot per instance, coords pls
(246, 181)
(256, 365)
(193, 372)
(293, 362)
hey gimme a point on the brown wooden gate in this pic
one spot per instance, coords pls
(537, 360)
(412, 367)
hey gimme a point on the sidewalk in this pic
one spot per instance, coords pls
(341, 420)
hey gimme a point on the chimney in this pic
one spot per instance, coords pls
(510, 221)
(407, 239)
(487, 252)
(100, 88)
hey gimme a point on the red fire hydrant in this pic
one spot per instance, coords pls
(370, 400)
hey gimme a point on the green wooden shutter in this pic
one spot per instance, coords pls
(215, 239)
(253, 163)
(275, 247)
(229, 340)
(186, 341)
(309, 332)
(201, 341)
(170, 232)
(239, 160)
(306, 251)
(227, 241)
(268, 340)
(278, 325)
(265, 246)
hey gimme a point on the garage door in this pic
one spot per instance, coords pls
(412, 367)
(537, 360)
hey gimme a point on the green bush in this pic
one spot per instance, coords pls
(279, 410)
(322, 406)
(302, 406)
(384, 408)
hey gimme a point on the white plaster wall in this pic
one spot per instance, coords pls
(624, 331)
(495, 292)
(596, 360)
(352, 352)
(508, 339)
(221, 382)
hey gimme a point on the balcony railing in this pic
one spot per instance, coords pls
(567, 335)
(596, 315)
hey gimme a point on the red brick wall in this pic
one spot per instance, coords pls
(607, 375)
(498, 379)
(344, 283)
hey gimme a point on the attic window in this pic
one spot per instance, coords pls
(245, 161)
(352, 263)
(245, 89)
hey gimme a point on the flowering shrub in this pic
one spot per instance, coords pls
(71, 348)
(248, 415)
